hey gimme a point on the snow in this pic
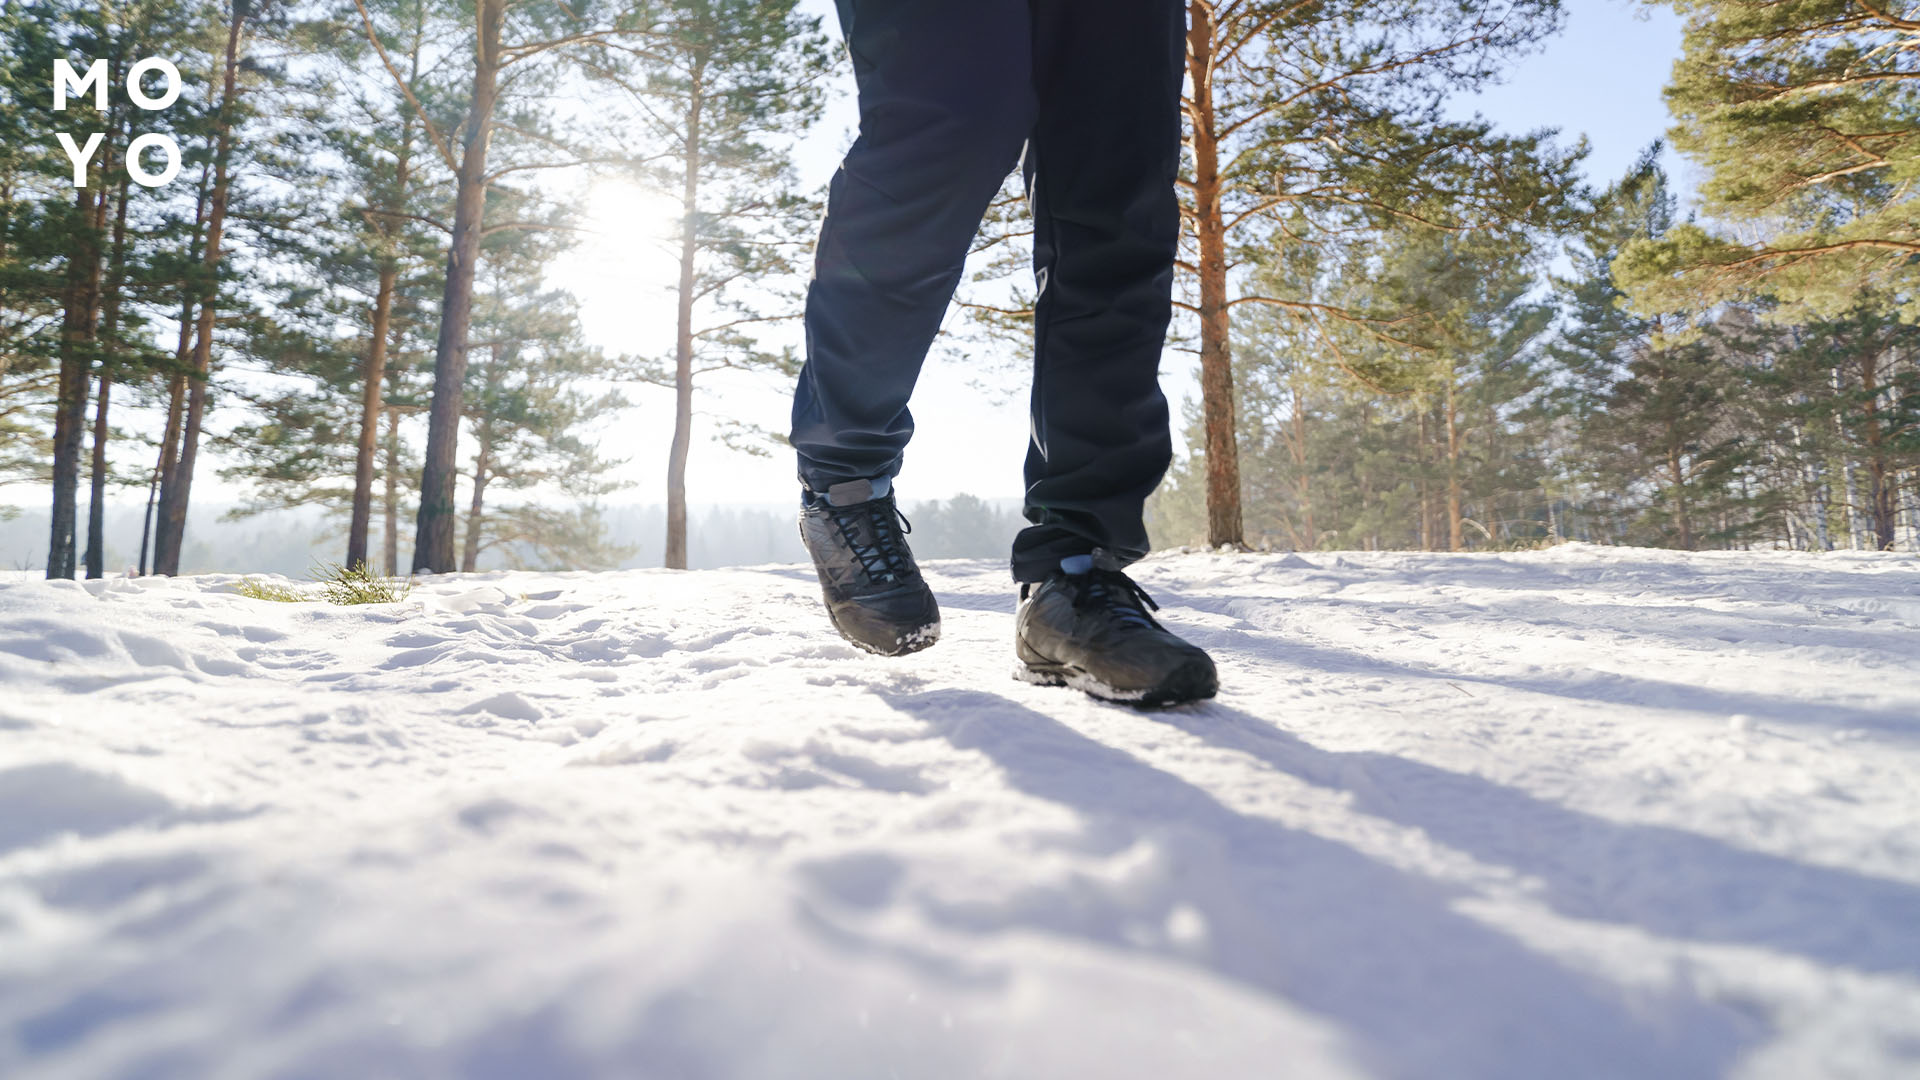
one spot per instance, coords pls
(1583, 812)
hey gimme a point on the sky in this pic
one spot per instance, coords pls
(1601, 77)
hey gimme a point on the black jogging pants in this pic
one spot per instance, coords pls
(1083, 95)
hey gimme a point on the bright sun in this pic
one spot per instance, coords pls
(624, 269)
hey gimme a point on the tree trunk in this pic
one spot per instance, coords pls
(676, 556)
(1297, 446)
(1216, 346)
(1850, 488)
(433, 535)
(173, 519)
(487, 436)
(391, 475)
(81, 301)
(146, 520)
(370, 408)
(1425, 533)
(97, 494)
(1816, 486)
(109, 349)
(376, 367)
(1911, 504)
(162, 481)
(1881, 506)
(1455, 541)
(1372, 541)
(1677, 474)
(470, 557)
(163, 469)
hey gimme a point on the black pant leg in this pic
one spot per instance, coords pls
(946, 101)
(1101, 166)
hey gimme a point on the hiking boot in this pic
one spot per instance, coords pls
(1093, 631)
(874, 592)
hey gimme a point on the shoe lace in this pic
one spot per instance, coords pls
(884, 556)
(1117, 593)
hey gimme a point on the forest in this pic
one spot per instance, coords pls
(1412, 330)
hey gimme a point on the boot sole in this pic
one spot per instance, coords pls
(1186, 685)
(906, 644)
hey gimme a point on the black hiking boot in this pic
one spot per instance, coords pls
(874, 592)
(1092, 632)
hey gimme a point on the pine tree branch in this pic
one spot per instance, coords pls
(516, 53)
(1226, 55)
(531, 226)
(421, 218)
(746, 321)
(1306, 307)
(439, 141)
(1889, 18)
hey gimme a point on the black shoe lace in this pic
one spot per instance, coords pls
(884, 557)
(1116, 593)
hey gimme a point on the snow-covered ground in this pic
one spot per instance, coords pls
(1576, 813)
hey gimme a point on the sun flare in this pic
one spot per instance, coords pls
(624, 269)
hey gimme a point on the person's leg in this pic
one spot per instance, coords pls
(1101, 166)
(945, 102)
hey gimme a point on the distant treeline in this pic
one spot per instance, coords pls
(293, 541)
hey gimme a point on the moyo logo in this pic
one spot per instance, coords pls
(67, 82)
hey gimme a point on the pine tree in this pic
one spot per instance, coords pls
(229, 113)
(1310, 128)
(1305, 122)
(35, 192)
(719, 94)
(1805, 117)
(381, 142)
(1669, 423)
(1846, 390)
(527, 410)
(65, 31)
(1427, 442)
(515, 68)
(1597, 338)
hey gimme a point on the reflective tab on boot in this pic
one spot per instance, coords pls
(850, 492)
